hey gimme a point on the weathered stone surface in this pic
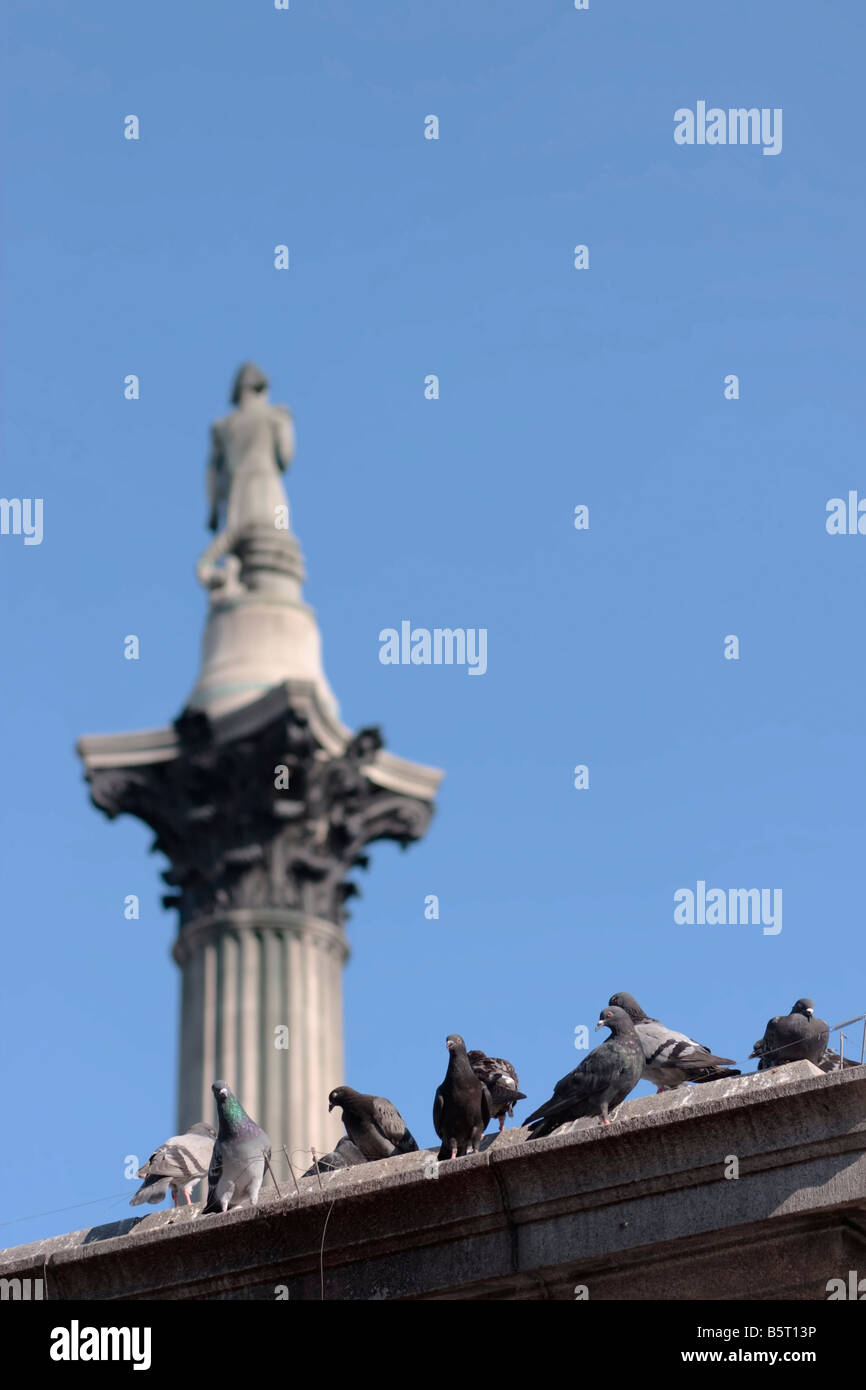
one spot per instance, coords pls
(639, 1210)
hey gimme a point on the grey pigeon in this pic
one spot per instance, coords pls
(178, 1164)
(602, 1080)
(238, 1163)
(372, 1123)
(345, 1155)
(671, 1058)
(461, 1108)
(795, 1037)
(501, 1081)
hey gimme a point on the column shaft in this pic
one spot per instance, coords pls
(245, 975)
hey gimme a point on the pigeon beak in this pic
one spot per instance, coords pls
(600, 1024)
(810, 1012)
(223, 1092)
(330, 1108)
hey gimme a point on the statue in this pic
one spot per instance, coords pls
(250, 449)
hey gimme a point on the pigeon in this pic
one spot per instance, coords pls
(373, 1124)
(832, 1061)
(462, 1106)
(602, 1080)
(500, 1078)
(794, 1037)
(179, 1163)
(239, 1154)
(671, 1058)
(345, 1155)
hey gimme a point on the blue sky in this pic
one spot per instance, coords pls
(557, 387)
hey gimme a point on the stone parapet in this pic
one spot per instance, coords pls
(640, 1210)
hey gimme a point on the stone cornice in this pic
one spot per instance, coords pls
(646, 1199)
(252, 808)
(163, 744)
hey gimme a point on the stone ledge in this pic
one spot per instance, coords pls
(527, 1220)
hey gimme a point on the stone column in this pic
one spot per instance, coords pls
(245, 974)
(263, 805)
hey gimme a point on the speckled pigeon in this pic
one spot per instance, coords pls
(833, 1061)
(461, 1108)
(372, 1123)
(178, 1164)
(344, 1155)
(672, 1058)
(238, 1164)
(600, 1083)
(794, 1037)
(501, 1081)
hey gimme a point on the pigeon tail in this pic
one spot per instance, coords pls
(152, 1190)
(717, 1074)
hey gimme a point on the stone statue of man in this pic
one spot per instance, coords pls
(250, 449)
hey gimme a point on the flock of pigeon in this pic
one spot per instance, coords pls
(476, 1088)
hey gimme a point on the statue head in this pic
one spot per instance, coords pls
(250, 378)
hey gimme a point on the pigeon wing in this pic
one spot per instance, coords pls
(179, 1160)
(821, 1036)
(390, 1123)
(506, 1074)
(500, 1064)
(214, 1173)
(486, 1106)
(594, 1075)
(781, 1031)
(152, 1190)
(768, 1041)
(666, 1047)
(438, 1107)
(499, 1077)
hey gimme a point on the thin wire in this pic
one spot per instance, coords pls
(322, 1252)
(113, 1197)
(56, 1211)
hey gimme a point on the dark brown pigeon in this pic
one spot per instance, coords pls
(602, 1080)
(794, 1037)
(671, 1058)
(461, 1109)
(373, 1124)
(501, 1081)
